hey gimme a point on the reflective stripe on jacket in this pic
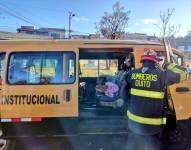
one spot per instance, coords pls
(179, 70)
(146, 93)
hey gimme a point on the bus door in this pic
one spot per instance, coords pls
(41, 84)
(181, 95)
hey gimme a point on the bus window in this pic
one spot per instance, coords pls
(89, 67)
(108, 67)
(178, 59)
(41, 68)
(2, 55)
(97, 67)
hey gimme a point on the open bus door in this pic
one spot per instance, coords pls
(178, 136)
(180, 94)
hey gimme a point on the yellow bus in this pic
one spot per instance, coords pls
(48, 87)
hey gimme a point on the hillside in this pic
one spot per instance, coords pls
(14, 36)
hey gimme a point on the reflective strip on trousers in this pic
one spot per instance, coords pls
(145, 93)
(143, 120)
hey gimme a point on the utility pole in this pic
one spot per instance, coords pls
(71, 14)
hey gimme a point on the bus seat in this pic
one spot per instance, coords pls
(108, 92)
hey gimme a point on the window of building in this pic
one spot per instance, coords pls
(55, 35)
(41, 68)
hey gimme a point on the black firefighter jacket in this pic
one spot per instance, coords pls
(146, 86)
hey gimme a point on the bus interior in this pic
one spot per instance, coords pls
(96, 67)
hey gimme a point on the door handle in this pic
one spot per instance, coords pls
(182, 89)
(67, 95)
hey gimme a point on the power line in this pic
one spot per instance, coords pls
(44, 20)
(39, 17)
(23, 18)
(45, 8)
(17, 15)
(12, 13)
(7, 26)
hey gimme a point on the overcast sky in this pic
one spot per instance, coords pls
(54, 13)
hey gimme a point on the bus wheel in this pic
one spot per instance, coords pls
(178, 137)
(6, 144)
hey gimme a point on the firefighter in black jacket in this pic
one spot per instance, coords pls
(145, 113)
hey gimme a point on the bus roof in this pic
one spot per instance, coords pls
(85, 43)
(81, 42)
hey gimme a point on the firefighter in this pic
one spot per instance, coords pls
(146, 85)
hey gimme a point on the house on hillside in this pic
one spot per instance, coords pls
(184, 47)
(76, 36)
(141, 36)
(54, 33)
(82, 36)
(184, 43)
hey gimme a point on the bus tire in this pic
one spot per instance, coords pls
(178, 137)
(7, 144)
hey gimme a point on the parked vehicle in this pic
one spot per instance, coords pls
(49, 87)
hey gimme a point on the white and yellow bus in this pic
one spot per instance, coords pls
(48, 87)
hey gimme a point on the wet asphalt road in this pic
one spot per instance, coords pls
(83, 142)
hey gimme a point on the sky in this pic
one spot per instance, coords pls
(54, 13)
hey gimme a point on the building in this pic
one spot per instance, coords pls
(76, 36)
(184, 47)
(135, 36)
(26, 30)
(90, 36)
(141, 36)
(11, 35)
(54, 33)
(95, 36)
(184, 43)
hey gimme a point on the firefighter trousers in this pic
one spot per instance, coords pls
(143, 142)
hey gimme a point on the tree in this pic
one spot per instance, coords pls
(112, 25)
(166, 29)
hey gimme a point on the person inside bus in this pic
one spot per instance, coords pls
(125, 65)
